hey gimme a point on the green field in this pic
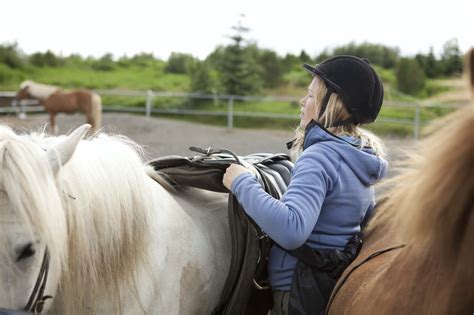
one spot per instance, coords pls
(152, 76)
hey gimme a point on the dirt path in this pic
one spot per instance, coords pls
(168, 137)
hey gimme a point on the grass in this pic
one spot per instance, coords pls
(152, 76)
(128, 78)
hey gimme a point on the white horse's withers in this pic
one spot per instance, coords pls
(118, 241)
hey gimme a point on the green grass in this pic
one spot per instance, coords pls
(131, 78)
(151, 75)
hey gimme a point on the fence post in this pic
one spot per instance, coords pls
(230, 112)
(22, 113)
(149, 99)
(215, 97)
(14, 105)
(416, 127)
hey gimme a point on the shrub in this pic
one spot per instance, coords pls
(105, 63)
(179, 63)
(11, 56)
(410, 76)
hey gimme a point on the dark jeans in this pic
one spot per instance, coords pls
(280, 302)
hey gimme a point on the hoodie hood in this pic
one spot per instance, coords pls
(368, 167)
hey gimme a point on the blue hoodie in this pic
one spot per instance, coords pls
(329, 197)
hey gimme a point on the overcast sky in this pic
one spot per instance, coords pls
(95, 27)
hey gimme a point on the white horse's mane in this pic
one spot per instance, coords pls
(95, 217)
(39, 90)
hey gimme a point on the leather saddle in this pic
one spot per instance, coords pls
(246, 290)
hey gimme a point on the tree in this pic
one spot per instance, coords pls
(238, 71)
(271, 69)
(381, 55)
(11, 56)
(304, 57)
(201, 79)
(74, 59)
(410, 76)
(429, 64)
(451, 58)
(143, 59)
(289, 62)
(105, 63)
(46, 59)
(179, 63)
(325, 54)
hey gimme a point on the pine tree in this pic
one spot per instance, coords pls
(238, 72)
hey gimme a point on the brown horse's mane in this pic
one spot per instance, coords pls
(431, 201)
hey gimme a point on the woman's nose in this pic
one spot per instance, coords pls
(302, 101)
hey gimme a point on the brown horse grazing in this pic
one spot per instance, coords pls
(418, 254)
(56, 101)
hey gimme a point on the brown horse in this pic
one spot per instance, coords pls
(56, 101)
(418, 254)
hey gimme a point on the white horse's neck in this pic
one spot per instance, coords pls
(189, 259)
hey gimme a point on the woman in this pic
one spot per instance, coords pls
(331, 195)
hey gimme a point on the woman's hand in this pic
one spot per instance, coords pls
(232, 172)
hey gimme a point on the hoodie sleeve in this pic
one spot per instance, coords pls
(289, 221)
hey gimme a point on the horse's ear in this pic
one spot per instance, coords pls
(62, 152)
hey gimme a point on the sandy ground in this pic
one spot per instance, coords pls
(169, 137)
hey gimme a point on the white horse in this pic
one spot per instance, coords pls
(85, 220)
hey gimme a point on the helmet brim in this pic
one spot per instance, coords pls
(329, 84)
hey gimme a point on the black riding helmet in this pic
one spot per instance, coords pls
(356, 82)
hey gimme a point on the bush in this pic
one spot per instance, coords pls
(8, 75)
(11, 56)
(179, 63)
(201, 79)
(410, 76)
(142, 59)
(272, 71)
(105, 63)
(381, 55)
(45, 59)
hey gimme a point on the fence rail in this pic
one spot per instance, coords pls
(26, 106)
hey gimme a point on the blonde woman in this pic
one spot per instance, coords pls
(330, 197)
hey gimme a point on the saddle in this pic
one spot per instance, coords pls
(246, 289)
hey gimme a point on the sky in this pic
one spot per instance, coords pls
(126, 27)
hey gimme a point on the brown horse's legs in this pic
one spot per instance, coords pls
(54, 127)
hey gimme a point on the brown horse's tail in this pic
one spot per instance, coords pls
(96, 103)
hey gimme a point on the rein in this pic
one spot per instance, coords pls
(37, 299)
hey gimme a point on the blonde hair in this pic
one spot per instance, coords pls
(336, 111)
